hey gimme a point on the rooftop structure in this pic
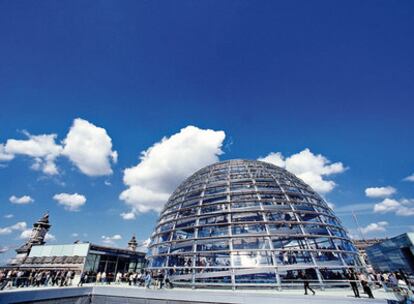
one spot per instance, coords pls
(85, 257)
(394, 254)
(245, 223)
(77, 257)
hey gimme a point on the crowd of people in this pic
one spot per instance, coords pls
(35, 278)
(140, 278)
(394, 282)
(60, 278)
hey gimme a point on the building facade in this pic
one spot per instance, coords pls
(244, 223)
(394, 254)
(84, 257)
(361, 245)
(78, 257)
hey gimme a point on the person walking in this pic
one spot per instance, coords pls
(305, 278)
(148, 280)
(365, 286)
(353, 281)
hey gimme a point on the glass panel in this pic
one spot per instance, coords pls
(251, 243)
(213, 208)
(213, 260)
(247, 217)
(215, 199)
(245, 205)
(248, 228)
(183, 234)
(257, 278)
(293, 257)
(164, 237)
(212, 245)
(180, 247)
(210, 231)
(279, 216)
(251, 259)
(158, 261)
(316, 229)
(217, 280)
(165, 227)
(213, 220)
(284, 229)
(215, 190)
(185, 223)
(242, 186)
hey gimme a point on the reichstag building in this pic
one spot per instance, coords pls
(243, 223)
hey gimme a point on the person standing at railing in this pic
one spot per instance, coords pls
(364, 282)
(83, 279)
(118, 278)
(353, 281)
(98, 278)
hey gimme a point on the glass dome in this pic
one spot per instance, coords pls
(243, 223)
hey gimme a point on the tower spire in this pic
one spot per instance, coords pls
(133, 244)
(38, 235)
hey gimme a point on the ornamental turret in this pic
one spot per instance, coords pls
(133, 244)
(38, 235)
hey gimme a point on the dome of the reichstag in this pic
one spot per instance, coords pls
(243, 223)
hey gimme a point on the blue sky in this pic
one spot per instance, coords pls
(334, 78)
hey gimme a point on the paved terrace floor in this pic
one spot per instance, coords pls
(122, 294)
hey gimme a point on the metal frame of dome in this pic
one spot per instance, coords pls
(243, 223)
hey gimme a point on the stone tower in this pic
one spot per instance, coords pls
(132, 244)
(37, 237)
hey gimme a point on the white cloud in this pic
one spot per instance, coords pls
(8, 216)
(28, 232)
(375, 227)
(71, 202)
(403, 207)
(4, 156)
(19, 226)
(50, 237)
(380, 191)
(75, 235)
(110, 240)
(87, 146)
(309, 167)
(167, 163)
(359, 207)
(90, 148)
(23, 200)
(407, 179)
(4, 249)
(331, 205)
(128, 215)
(276, 159)
(42, 148)
(143, 245)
